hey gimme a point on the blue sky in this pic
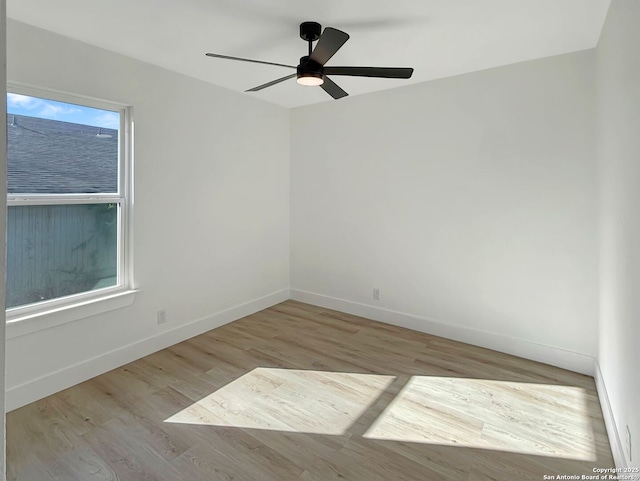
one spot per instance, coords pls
(50, 109)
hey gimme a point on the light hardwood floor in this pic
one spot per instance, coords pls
(297, 392)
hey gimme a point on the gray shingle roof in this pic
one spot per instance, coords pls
(53, 157)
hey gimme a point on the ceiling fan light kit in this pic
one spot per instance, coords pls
(310, 79)
(311, 70)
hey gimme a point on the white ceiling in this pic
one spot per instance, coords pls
(439, 38)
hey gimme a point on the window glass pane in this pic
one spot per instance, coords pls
(60, 148)
(59, 250)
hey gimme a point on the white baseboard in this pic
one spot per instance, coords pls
(56, 381)
(612, 430)
(572, 361)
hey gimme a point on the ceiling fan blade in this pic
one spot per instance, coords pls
(382, 72)
(216, 55)
(332, 89)
(329, 43)
(273, 82)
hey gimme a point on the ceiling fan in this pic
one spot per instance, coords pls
(311, 70)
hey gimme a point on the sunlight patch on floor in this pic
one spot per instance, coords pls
(319, 402)
(538, 419)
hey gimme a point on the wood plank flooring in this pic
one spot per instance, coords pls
(301, 393)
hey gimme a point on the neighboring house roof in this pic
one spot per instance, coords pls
(53, 157)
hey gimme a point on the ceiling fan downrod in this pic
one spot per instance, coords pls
(310, 32)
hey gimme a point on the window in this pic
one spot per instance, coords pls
(68, 199)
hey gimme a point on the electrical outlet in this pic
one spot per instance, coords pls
(376, 294)
(628, 444)
(162, 316)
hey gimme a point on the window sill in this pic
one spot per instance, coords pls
(24, 324)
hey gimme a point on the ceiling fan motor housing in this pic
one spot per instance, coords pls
(309, 68)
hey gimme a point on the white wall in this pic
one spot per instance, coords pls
(211, 209)
(618, 107)
(468, 201)
(3, 206)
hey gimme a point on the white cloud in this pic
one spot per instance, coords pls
(50, 110)
(17, 100)
(42, 107)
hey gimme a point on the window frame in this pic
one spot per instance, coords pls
(60, 310)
